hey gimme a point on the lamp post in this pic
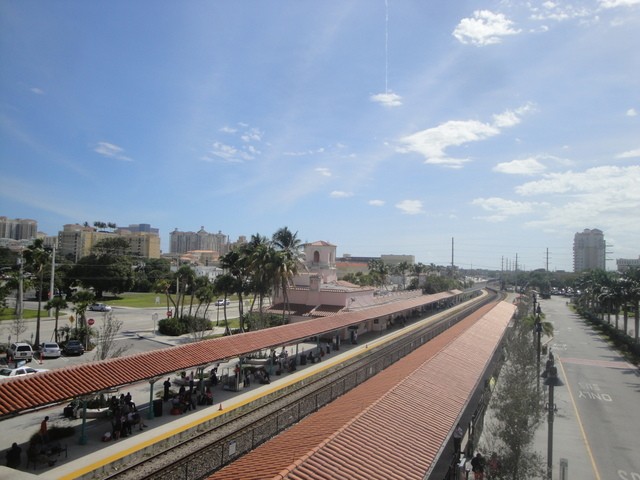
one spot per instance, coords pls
(538, 333)
(551, 380)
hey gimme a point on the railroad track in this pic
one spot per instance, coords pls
(237, 432)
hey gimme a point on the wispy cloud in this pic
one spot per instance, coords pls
(618, 3)
(110, 150)
(388, 99)
(305, 152)
(629, 154)
(632, 112)
(484, 28)
(501, 208)
(325, 172)
(227, 129)
(410, 207)
(37, 91)
(376, 203)
(432, 142)
(340, 194)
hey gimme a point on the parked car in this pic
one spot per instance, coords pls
(99, 307)
(73, 347)
(49, 350)
(19, 351)
(19, 372)
(221, 302)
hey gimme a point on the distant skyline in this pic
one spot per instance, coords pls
(383, 127)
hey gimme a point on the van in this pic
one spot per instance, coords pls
(19, 351)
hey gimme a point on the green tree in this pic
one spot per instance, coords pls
(515, 409)
(287, 261)
(104, 273)
(37, 258)
(81, 300)
(401, 269)
(56, 304)
(378, 272)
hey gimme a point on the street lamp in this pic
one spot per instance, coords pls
(538, 333)
(551, 380)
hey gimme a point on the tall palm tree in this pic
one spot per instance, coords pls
(288, 261)
(37, 258)
(402, 268)
(56, 304)
(262, 261)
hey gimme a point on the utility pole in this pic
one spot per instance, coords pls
(53, 273)
(20, 299)
(452, 250)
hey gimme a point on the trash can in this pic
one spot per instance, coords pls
(157, 408)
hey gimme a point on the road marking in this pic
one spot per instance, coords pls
(584, 435)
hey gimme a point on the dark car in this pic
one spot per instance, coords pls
(73, 347)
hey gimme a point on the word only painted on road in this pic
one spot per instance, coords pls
(624, 475)
(591, 391)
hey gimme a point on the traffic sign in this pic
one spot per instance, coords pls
(91, 321)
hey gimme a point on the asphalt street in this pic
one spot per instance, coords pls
(597, 426)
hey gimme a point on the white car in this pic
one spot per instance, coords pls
(221, 302)
(19, 372)
(50, 350)
(99, 307)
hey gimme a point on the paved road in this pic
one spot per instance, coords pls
(597, 427)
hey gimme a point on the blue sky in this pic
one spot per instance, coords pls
(382, 127)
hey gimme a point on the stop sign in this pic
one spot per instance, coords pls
(91, 321)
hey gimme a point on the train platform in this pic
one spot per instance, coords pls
(78, 456)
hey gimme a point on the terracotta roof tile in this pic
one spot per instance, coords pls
(416, 401)
(20, 394)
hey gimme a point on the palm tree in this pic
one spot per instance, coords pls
(37, 258)
(261, 255)
(81, 300)
(378, 271)
(287, 262)
(56, 304)
(402, 268)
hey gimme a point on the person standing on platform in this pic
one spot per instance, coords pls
(167, 386)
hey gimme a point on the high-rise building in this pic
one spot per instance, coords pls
(589, 250)
(18, 228)
(76, 241)
(183, 242)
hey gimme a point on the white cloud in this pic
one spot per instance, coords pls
(230, 153)
(559, 12)
(618, 3)
(485, 28)
(304, 152)
(632, 112)
(501, 209)
(252, 135)
(227, 129)
(606, 196)
(432, 142)
(325, 172)
(340, 194)
(526, 166)
(629, 154)
(110, 150)
(410, 207)
(376, 203)
(388, 99)
(37, 91)
(614, 181)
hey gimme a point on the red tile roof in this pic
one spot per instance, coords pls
(392, 426)
(20, 394)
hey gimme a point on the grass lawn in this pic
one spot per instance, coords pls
(144, 300)
(9, 314)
